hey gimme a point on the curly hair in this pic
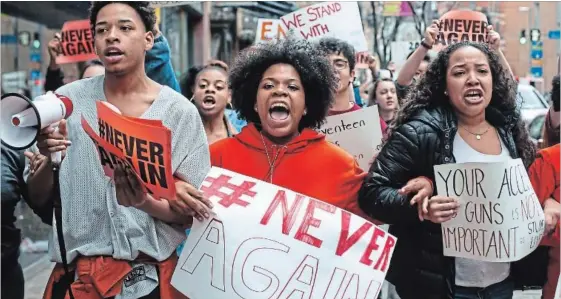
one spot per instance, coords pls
(428, 93)
(316, 74)
(331, 45)
(143, 8)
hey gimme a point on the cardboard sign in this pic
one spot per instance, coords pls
(334, 19)
(459, 25)
(269, 29)
(77, 42)
(145, 144)
(358, 132)
(500, 218)
(265, 241)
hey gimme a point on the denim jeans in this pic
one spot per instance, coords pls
(501, 290)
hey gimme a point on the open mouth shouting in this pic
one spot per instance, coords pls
(113, 55)
(279, 114)
(473, 96)
(209, 102)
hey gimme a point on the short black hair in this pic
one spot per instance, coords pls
(315, 70)
(87, 64)
(331, 45)
(143, 8)
(426, 58)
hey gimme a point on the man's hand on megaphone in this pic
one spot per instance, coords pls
(51, 140)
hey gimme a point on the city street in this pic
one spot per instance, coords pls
(37, 275)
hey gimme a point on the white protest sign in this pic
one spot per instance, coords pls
(265, 241)
(357, 132)
(157, 4)
(333, 19)
(500, 218)
(268, 29)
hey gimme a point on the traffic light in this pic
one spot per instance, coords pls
(36, 41)
(535, 35)
(523, 37)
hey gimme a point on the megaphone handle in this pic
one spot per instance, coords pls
(56, 157)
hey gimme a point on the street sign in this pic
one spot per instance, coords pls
(554, 34)
(9, 39)
(536, 71)
(536, 50)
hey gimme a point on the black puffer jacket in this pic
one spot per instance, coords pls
(418, 266)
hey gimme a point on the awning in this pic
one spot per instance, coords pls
(52, 14)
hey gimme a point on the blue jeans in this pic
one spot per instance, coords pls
(501, 290)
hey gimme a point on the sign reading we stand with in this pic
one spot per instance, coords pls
(264, 241)
(333, 19)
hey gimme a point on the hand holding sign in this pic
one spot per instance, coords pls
(128, 187)
(493, 38)
(54, 48)
(190, 201)
(551, 213)
(442, 208)
(431, 34)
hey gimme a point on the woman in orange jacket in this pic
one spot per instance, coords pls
(545, 177)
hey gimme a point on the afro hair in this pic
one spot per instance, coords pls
(316, 74)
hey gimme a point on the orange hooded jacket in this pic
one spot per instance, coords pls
(545, 177)
(308, 164)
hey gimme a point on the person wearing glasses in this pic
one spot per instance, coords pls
(342, 57)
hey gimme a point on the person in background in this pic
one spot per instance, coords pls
(343, 60)
(13, 190)
(551, 129)
(92, 68)
(462, 110)
(211, 94)
(158, 64)
(383, 93)
(545, 177)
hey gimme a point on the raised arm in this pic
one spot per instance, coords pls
(158, 63)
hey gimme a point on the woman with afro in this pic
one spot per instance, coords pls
(284, 91)
(462, 110)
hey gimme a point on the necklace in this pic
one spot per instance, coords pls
(271, 163)
(477, 135)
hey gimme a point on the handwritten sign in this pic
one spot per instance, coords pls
(76, 42)
(269, 29)
(265, 241)
(326, 20)
(459, 25)
(357, 132)
(500, 218)
(145, 144)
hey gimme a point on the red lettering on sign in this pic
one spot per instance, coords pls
(288, 214)
(309, 220)
(346, 242)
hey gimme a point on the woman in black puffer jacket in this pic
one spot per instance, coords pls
(439, 112)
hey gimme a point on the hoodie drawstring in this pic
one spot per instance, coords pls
(274, 160)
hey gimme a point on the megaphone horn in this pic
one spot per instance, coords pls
(21, 120)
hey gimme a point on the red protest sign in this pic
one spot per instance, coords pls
(76, 42)
(144, 144)
(459, 25)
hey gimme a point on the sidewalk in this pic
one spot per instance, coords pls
(37, 275)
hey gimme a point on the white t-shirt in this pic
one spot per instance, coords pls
(469, 272)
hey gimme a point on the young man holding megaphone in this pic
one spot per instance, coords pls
(131, 244)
